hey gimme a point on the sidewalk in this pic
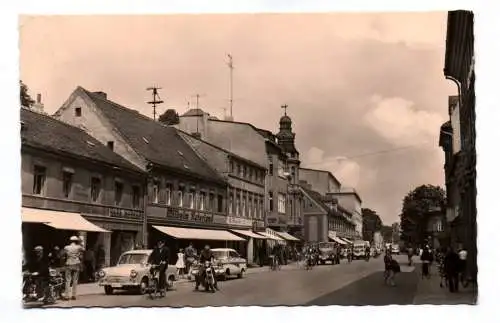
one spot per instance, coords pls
(429, 292)
(94, 288)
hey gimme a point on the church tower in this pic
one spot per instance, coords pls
(286, 140)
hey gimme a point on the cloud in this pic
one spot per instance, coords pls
(398, 121)
(347, 171)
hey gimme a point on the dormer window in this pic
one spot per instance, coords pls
(78, 112)
(111, 145)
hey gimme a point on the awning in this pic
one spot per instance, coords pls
(59, 220)
(198, 234)
(270, 236)
(287, 236)
(332, 236)
(347, 240)
(249, 233)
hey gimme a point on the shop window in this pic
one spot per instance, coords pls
(39, 176)
(136, 196)
(67, 181)
(118, 193)
(95, 188)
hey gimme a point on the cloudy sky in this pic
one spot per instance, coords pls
(366, 92)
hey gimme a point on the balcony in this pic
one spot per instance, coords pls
(83, 208)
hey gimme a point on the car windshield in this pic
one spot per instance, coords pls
(219, 254)
(132, 258)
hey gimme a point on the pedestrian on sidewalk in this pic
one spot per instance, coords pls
(462, 265)
(74, 255)
(389, 273)
(426, 258)
(452, 269)
(180, 264)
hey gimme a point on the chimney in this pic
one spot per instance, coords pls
(38, 105)
(101, 94)
(38, 98)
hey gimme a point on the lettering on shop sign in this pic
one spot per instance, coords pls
(202, 218)
(239, 221)
(177, 215)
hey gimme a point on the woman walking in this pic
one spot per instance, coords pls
(180, 264)
(391, 268)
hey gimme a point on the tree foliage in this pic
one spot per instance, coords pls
(26, 100)
(386, 232)
(371, 223)
(417, 204)
(169, 117)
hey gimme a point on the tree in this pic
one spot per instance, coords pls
(26, 100)
(386, 232)
(371, 223)
(169, 117)
(417, 205)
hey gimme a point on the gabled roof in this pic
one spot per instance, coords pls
(47, 133)
(159, 144)
(316, 197)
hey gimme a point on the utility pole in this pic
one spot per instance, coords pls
(231, 67)
(156, 99)
(224, 109)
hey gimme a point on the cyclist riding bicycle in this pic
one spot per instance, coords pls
(159, 258)
(205, 255)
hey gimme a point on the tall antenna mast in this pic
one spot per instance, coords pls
(156, 99)
(231, 67)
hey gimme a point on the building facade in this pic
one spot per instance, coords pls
(73, 183)
(263, 148)
(182, 189)
(461, 169)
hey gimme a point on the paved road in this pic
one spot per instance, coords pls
(358, 283)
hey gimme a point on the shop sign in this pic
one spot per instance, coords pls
(189, 216)
(219, 219)
(259, 224)
(239, 221)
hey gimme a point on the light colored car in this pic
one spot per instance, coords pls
(230, 261)
(395, 249)
(131, 273)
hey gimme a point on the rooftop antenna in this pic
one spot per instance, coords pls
(224, 109)
(156, 99)
(198, 96)
(231, 67)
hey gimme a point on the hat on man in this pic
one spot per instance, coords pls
(74, 238)
(38, 248)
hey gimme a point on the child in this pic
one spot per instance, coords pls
(180, 265)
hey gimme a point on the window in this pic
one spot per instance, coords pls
(39, 175)
(231, 203)
(118, 192)
(271, 204)
(250, 207)
(95, 188)
(191, 199)
(244, 175)
(67, 180)
(271, 168)
(231, 167)
(281, 169)
(238, 170)
(111, 144)
(237, 204)
(136, 196)
(156, 189)
(281, 203)
(201, 204)
(78, 112)
(211, 202)
(168, 194)
(219, 203)
(244, 206)
(180, 198)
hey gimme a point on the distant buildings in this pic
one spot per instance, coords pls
(458, 136)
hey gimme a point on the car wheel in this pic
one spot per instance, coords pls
(108, 290)
(240, 275)
(143, 288)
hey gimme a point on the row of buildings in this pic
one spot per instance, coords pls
(118, 178)
(458, 138)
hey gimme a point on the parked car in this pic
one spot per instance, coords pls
(395, 249)
(231, 262)
(131, 273)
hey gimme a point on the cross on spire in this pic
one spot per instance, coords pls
(284, 106)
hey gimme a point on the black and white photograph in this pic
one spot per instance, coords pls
(248, 159)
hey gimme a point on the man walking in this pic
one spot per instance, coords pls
(462, 264)
(190, 254)
(426, 262)
(74, 254)
(451, 269)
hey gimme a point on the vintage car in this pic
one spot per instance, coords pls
(327, 253)
(231, 262)
(131, 273)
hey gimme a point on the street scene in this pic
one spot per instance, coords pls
(238, 162)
